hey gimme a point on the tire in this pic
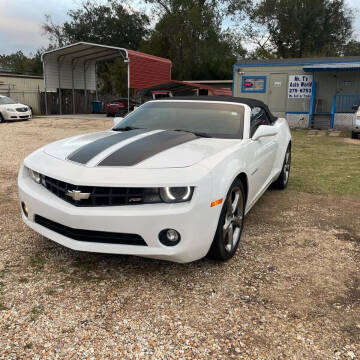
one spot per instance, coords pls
(354, 135)
(282, 181)
(108, 115)
(1, 119)
(230, 225)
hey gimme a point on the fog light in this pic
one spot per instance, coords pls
(24, 209)
(169, 237)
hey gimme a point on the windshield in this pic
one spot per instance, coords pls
(6, 100)
(221, 120)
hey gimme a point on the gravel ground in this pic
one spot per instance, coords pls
(291, 292)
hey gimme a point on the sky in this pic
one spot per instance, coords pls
(20, 22)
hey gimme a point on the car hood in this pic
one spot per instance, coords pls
(13, 106)
(138, 149)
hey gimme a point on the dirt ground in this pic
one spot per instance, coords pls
(291, 292)
(352, 141)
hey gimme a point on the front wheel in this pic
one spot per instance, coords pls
(230, 226)
(282, 181)
(354, 135)
(1, 118)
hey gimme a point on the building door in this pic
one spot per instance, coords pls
(326, 89)
(278, 92)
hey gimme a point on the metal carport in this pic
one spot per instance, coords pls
(74, 67)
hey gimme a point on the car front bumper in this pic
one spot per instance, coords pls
(196, 222)
(15, 115)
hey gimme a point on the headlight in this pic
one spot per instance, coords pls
(176, 194)
(34, 175)
(10, 110)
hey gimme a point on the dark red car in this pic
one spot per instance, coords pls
(119, 106)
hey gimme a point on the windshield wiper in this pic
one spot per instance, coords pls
(199, 134)
(126, 128)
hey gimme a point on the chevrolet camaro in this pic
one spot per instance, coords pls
(173, 180)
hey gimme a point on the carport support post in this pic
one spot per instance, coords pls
(128, 74)
(73, 85)
(96, 89)
(85, 94)
(59, 78)
(46, 103)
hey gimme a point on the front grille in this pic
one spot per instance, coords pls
(24, 116)
(23, 109)
(90, 235)
(99, 196)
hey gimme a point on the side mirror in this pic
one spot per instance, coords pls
(117, 120)
(355, 107)
(264, 131)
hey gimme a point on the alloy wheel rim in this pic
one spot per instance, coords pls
(233, 219)
(287, 167)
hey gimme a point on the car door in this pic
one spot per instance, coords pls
(263, 153)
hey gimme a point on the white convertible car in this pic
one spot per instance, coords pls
(173, 180)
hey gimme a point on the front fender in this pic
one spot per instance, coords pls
(223, 175)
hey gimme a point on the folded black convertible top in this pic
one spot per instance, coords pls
(251, 102)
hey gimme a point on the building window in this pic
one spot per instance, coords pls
(253, 84)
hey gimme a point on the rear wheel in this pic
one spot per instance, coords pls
(354, 135)
(283, 179)
(230, 226)
(1, 118)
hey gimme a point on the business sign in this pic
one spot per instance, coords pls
(300, 86)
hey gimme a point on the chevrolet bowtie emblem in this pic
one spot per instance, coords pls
(77, 195)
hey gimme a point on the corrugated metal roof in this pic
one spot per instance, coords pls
(352, 66)
(297, 61)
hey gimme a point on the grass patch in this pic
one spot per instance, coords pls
(37, 262)
(324, 165)
(84, 264)
(35, 312)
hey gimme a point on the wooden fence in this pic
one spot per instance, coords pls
(83, 105)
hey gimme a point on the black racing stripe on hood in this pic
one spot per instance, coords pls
(84, 154)
(144, 148)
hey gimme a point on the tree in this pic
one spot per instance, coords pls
(352, 48)
(21, 64)
(111, 24)
(190, 34)
(301, 28)
(107, 24)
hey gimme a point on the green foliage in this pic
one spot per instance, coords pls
(21, 64)
(113, 77)
(189, 33)
(109, 24)
(352, 48)
(303, 28)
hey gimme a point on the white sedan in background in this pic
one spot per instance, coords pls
(173, 180)
(12, 110)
